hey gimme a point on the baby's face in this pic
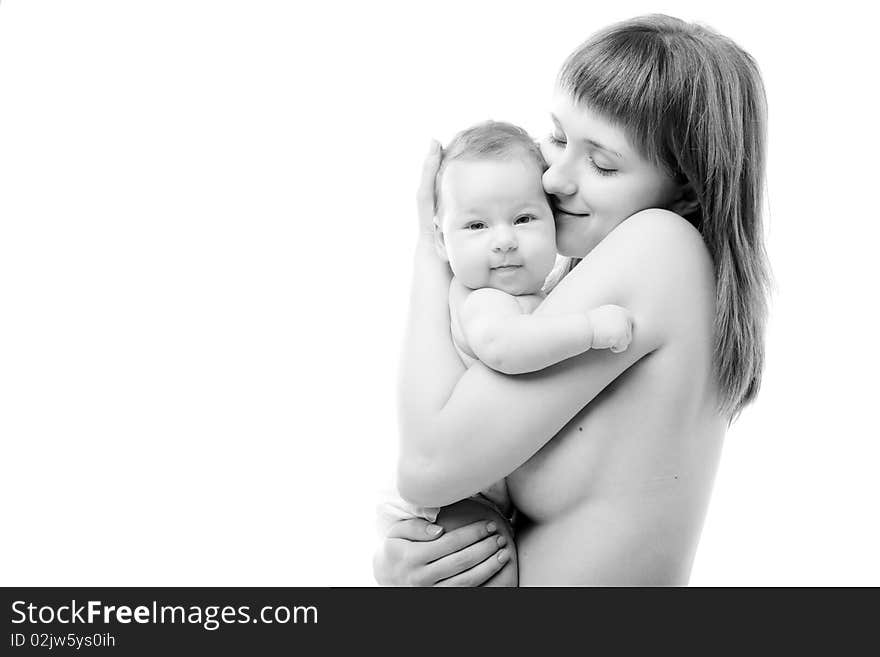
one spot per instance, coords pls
(498, 228)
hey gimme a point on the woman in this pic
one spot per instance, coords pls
(656, 165)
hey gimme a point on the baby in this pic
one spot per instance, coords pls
(495, 227)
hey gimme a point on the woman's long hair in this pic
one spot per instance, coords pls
(692, 101)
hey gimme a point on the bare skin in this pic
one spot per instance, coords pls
(619, 495)
(610, 457)
(418, 553)
(468, 511)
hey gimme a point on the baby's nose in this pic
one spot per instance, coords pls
(505, 241)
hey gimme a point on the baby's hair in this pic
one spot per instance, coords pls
(489, 140)
(692, 102)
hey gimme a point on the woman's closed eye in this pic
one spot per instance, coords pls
(561, 142)
(602, 171)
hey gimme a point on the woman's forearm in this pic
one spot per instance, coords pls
(431, 367)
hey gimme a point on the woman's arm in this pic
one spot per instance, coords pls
(428, 345)
(463, 430)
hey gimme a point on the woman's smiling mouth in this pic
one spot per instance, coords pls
(572, 214)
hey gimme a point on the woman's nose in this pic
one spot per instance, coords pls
(558, 181)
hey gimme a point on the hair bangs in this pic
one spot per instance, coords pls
(624, 80)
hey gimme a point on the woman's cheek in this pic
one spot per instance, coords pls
(547, 151)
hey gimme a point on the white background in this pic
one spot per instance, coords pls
(206, 227)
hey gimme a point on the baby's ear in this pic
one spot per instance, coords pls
(439, 241)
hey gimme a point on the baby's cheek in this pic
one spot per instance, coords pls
(545, 258)
(470, 273)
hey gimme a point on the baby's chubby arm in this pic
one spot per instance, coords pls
(511, 342)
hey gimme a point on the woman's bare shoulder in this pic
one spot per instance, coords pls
(653, 252)
(670, 280)
(658, 250)
(662, 233)
(656, 265)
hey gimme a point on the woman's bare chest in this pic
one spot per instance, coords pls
(610, 453)
(562, 474)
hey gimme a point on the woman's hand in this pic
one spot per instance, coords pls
(417, 553)
(425, 195)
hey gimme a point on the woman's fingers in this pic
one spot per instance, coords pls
(458, 539)
(480, 573)
(425, 196)
(415, 529)
(463, 560)
(418, 553)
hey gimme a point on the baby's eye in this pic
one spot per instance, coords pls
(476, 225)
(524, 219)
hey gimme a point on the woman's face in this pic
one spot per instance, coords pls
(596, 177)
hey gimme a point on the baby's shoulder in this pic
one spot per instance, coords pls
(463, 300)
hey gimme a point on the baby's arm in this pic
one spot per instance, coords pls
(508, 341)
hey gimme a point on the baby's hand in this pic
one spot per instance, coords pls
(612, 328)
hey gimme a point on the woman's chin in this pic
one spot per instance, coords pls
(573, 249)
(577, 245)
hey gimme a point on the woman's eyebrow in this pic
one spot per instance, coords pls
(603, 148)
(591, 142)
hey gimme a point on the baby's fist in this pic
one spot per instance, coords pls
(612, 328)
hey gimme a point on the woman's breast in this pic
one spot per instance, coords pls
(653, 429)
(568, 469)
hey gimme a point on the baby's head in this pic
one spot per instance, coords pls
(493, 222)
